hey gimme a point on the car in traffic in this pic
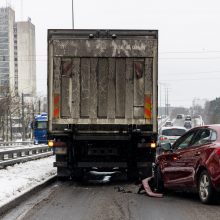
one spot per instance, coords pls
(180, 116)
(191, 163)
(188, 124)
(168, 124)
(188, 118)
(197, 120)
(170, 134)
(197, 116)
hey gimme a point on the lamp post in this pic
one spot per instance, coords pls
(72, 16)
(23, 114)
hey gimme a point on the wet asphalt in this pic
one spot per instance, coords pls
(103, 198)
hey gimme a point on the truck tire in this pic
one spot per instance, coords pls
(132, 174)
(63, 173)
(77, 174)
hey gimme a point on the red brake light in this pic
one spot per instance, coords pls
(162, 138)
(217, 151)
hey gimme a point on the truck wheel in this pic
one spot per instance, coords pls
(77, 174)
(63, 173)
(205, 188)
(158, 180)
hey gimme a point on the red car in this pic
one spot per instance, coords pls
(191, 163)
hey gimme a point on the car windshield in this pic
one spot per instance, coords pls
(173, 132)
(168, 123)
(196, 116)
(187, 123)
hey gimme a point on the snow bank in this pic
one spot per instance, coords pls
(16, 179)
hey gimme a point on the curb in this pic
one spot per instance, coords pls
(17, 200)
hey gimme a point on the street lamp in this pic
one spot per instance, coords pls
(22, 114)
(72, 16)
(166, 97)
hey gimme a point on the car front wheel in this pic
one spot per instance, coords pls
(158, 180)
(205, 188)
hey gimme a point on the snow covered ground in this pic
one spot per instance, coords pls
(19, 178)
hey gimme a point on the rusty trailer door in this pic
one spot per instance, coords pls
(102, 80)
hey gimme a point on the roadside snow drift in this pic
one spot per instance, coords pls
(19, 178)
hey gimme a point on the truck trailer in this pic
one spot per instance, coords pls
(102, 100)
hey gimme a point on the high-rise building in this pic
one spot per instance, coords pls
(17, 55)
(26, 60)
(7, 72)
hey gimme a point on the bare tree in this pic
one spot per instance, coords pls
(212, 111)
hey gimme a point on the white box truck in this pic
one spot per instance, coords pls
(102, 100)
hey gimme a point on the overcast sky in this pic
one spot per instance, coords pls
(189, 37)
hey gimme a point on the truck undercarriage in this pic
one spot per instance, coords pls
(129, 149)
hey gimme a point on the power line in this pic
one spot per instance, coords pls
(189, 58)
(194, 73)
(189, 52)
(179, 80)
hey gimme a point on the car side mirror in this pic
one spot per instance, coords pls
(166, 147)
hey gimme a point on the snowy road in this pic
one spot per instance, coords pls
(116, 199)
(113, 201)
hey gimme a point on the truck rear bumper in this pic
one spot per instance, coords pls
(60, 164)
(111, 164)
(103, 164)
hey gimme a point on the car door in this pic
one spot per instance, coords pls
(174, 170)
(193, 158)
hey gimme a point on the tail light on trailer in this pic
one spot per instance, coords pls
(59, 147)
(50, 143)
(153, 145)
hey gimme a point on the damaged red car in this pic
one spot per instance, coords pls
(191, 163)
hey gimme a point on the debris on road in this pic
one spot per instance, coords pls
(122, 189)
(145, 186)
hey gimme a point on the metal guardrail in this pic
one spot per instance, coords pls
(162, 122)
(12, 143)
(10, 157)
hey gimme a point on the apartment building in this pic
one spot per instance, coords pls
(17, 55)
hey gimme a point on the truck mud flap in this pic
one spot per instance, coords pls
(60, 164)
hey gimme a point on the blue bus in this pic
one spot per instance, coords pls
(40, 129)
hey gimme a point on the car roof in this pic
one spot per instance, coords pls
(211, 126)
(174, 127)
